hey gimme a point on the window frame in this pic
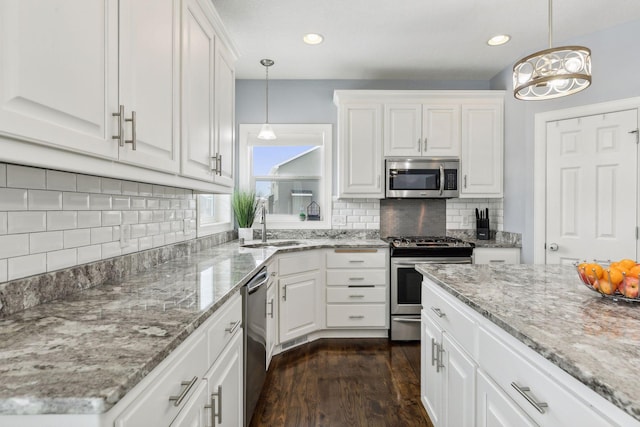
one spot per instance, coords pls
(208, 228)
(304, 134)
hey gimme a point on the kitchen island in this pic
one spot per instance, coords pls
(83, 354)
(594, 340)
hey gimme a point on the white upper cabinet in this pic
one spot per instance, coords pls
(59, 73)
(149, 81)
(225, 114)
(431, 130)
(481, 160)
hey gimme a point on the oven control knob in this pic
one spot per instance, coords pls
(553, 247)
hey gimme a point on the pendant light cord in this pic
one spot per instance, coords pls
(550, 24)
(266, 98)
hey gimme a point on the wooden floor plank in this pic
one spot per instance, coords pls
(344, 382)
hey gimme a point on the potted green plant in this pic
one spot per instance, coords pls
(245, 206)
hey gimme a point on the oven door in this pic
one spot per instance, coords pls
(406, 282)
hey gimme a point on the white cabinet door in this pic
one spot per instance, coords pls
(402, 130)
(299, 312)
(194, 413)
(459, 393)
(496, 255)
(149, 81)
(59, 73)
(495, 409)
(441, 130)
(198, 59)
(360, 151)
(272, 323)
(225, 81)
(482, 147)
(226, 387)
(430, 376)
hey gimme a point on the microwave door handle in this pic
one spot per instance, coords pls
(441, 179)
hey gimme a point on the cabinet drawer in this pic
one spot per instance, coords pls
(451, 319)
(356, 295)
(357, 277)
(356, 315)
(357, 258)
(153, 407)
(507, 366)
(299, 263)
(222, 326)
(496, 256)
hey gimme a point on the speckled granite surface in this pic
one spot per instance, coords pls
(82, 354)
(595, 340)
(499, 239)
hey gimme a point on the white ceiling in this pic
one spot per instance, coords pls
(404, 39)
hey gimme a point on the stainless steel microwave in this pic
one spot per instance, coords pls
(421, 178)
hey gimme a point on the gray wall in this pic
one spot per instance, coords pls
(615, 64)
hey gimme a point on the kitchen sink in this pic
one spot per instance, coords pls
(277, 244)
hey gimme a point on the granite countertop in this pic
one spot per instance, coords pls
(81, 355)
(492, 243)
(596, 340)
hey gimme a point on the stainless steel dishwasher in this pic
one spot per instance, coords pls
(255, 340)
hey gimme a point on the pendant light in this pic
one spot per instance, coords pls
(266, 132)
(553, 72)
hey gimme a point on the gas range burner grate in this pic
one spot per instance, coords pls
(426, 241)
(429, 246)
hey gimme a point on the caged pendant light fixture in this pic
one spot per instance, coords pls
(554, 72)
(266, 131)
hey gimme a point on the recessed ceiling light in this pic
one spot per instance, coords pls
(313, 38)
(498, 40)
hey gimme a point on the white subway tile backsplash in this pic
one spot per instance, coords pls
(158, 240)
(75, 201)
(138, 230)
(61, 259)
(111, 186)
(13, 199)
(145, 243)
(138, 203)
(89, 219)
(63, 181)
(145, 217)
(99, 202)
(131, 247)
(121, 202)
(165, 227)
(158, 190)
(3, 270)
(3, 175)
(3, 222)
(26, 222)
(153, 229)
(165, 204)
(13, 245)
(45, 242)
(41, 200)
(101, 235)
(89, 184)
(115, 233)
(76, 238)
(89, 254)
(109, 250)
(130, 217)
(111, 218)
(62, 220)
(153, 203)
(129, 188)
(24, 266)
(169, 238)
(157, 216)
(145, 189)
(26, 177)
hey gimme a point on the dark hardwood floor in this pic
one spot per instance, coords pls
(344, 382)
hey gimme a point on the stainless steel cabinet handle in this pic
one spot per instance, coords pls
(356, 317)
(177, 400)
(440, 362)
(212, 406)
(465, 181)
(497, 261)
(356, 278)
(120, 135)
(284, 293)
(441, 179)
(438, 312)
(214, 164)
(271, 304)
(356, 260)
(433, 352)
(356, 296)
(524, 392)
(219, 164)
(133, 140)
(425, 145)
(234, 327)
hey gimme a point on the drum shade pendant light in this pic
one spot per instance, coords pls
(266, 132)
(553, 72)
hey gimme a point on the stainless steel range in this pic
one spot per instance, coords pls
(406, 282)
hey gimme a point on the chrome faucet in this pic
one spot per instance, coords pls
(263, 220)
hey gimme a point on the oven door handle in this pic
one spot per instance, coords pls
(441, 179)
(404, 265)
(406, 319)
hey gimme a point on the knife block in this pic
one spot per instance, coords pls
(482, 229)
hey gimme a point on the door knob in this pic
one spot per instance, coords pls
(553, 247)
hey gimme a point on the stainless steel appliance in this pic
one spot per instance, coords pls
(255, 340)
(422, 178)
(406, 282)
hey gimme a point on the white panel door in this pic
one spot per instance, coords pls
(496, 409)
(299, 305)
(149, 81)
(459, 386)
(360, 151)
(59, 73)
(198, 65)
(592, 185)
(226, 386)
(430, 374)
(225, 113)
(402, 129)
(441, 130)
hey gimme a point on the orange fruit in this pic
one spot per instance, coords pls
(595, 268)
(634, 271)
(627, 263)
(614, 276)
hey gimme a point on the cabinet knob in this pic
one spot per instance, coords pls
(553, 247)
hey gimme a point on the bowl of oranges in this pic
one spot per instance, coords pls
(618, 280)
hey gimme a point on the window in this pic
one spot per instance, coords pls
(214, 213)
(291, 174)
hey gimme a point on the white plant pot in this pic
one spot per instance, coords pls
(245, 233)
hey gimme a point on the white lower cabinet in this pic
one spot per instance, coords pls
(194, 412)
(496, 255)
(272, 321)
(430, 378)
(496, 409)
